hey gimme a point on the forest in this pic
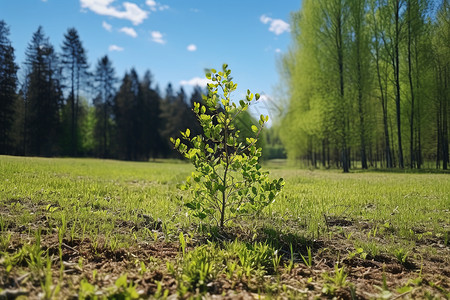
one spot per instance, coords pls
(368, 84)
(365, 84)
(63, 108)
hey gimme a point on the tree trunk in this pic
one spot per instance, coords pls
(397, 82)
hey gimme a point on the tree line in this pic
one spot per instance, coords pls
(368, 84)
(59, 107)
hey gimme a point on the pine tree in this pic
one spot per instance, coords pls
(75, 69)
(152, 117)
(43, 96)
(8, 85)
(128, 120)
(103, 102)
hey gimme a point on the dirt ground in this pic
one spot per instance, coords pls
(425, 274)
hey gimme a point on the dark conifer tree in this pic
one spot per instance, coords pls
(151, 116)
(8, 85)
(75, 69)
(43, 96)
(125, 108)
(104, 88)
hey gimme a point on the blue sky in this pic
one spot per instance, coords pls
(174, 39)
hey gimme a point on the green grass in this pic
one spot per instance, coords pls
(87, 210)
(404, 201)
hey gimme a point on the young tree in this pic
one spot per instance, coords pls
(75, 65)
(227, 181)
(8, 86)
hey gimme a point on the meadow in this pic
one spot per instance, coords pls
(94, 229)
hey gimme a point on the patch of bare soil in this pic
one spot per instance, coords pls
(425, 273)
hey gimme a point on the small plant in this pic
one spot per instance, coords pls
(358, 251)
(308, 261)
(337, 281)
(123, 290)
(276, 259)
(227, 181)
(401, 254)
(198, 268)
(182, 243)
(291, 259)
(86, 290)
(49, 291)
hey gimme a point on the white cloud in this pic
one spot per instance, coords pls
(277, 26)
(196, 81)
(150, 3)
(278, 50)
(115, 48)
(107, 26)
(154, 6)
(265, 19)
(191, 47)
(131, 11)
(129, 31)
(157, 37)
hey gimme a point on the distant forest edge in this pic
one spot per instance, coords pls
(367, 84)
(61, 108)
(368, 81)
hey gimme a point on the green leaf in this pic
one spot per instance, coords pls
(257, 96)
(191, 205)
(188, 132)
(121, 281)
(254, 128)
(213, 70)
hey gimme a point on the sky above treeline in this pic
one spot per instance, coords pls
(174, 39)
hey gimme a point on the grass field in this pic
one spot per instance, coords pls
(87, 228)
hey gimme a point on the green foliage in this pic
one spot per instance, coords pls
(227, 181)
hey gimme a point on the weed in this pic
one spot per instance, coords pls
(49, 290)
(276, 260)
(291, 259)
(308, 260)
(182, 243)
(5, 239)
(86, 290)
(401, 254)
(358, 251)
(198, 267)
(123, 290)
